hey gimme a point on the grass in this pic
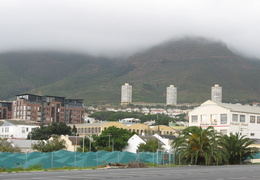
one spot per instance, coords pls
(38, 167)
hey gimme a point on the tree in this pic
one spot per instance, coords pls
(238, 148)
(51, 145)
(45, 132)
(199, 146)
(150, 146)
(121, 115)
(102, 115)
(112, 138)
(88, 145)
(6, 146)
(74, 130)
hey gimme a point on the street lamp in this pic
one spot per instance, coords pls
(30, 134)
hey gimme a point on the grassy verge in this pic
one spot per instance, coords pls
(39, 168)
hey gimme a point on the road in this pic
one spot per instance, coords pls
(240, 172)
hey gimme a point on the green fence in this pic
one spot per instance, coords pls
(65, 158)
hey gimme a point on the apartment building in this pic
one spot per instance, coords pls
(216, 93)
(171, 95)
(47, 109)
(126, 94)
(5, 110)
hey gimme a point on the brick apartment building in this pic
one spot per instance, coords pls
(5, 110)
(46, 109)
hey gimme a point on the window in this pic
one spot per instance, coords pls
(194, 119)
(252, 134)
(223, 118)
(204, 118)
(258, 119)
(213, 118)
(234, 117)
(252, 119)
(242, 118)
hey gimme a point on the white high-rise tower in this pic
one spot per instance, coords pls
(171, 95)
(126, 94)
(216, 93)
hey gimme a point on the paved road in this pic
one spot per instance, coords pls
(242, 172)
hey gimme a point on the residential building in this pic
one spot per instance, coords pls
(24, 144)
(5, 110)
(227, 118)
(216, 93)
(126, 94)
(47, 109)
(11, 128)
(72, 142)
(171, 95)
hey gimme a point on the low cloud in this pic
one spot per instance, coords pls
(117, 27)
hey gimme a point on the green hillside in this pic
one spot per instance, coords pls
(193, 65)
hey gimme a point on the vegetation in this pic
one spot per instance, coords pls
(112, 138)
(88, 145)
(238, 148)
(38, 167)
(6, 146)
(45, 132)
(199, 146)
(112, 116)
(150, 72)
(149, 146)
(49, 146)
(160, 119)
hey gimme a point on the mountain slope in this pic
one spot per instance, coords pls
(25, 71)
(194, 65)
(191, 64)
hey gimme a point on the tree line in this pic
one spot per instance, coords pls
(160, 119)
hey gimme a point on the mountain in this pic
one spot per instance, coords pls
(193, 65)
(27, 71)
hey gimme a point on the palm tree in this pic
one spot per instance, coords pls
(238, 148)
(199, 146)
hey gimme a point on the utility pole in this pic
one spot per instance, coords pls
(109, 135)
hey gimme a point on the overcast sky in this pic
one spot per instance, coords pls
(104, 27)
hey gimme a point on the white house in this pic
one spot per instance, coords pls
(130, 121)
(16, 128)
(227, 118)
(136, 140)
(23, 144)
(167, 141)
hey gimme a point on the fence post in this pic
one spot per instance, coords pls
(52, 158)
(153, 158)
(26, 165)
(75, 159)
(97, 158)
(157, 159)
